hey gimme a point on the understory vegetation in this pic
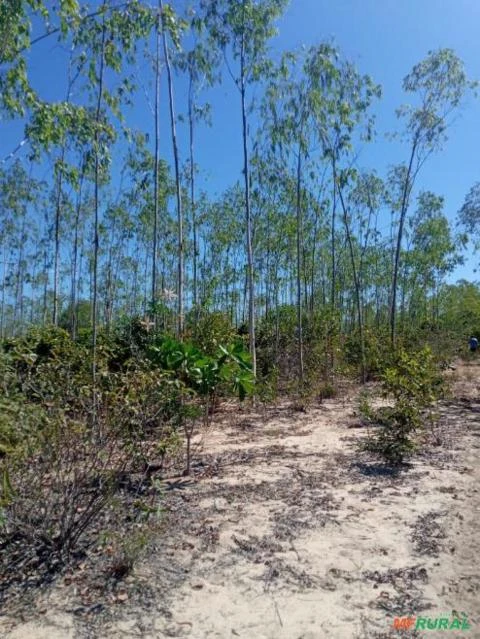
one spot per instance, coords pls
(71, 447)
(134, 300)
(68, 446)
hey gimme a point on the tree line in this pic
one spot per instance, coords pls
(305, 242)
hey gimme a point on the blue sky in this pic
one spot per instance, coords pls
(385, 38)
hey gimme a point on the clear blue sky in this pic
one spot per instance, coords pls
(385, 38)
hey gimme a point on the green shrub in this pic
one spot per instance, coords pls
(213, 329)
(326, 391)
(57, 474)
(277, 347)
(414, 383)
(66, 444)
(81, 314)
(413, 377)
(201, 378)
(377, 352)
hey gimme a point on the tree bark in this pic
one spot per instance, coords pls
(180, 293)
(250, 266)
(192, 200)
(299, 267)
(156, 168)
(96, 238)
(356, 281)
(403, 211)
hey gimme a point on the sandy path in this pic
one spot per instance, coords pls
(290, 534)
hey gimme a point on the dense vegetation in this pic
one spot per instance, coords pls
(131, 300)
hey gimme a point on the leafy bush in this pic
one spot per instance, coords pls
(80, 314)
(45, 346)
(413, 382)
(212, 330)
(57, 478)
(414, 377)
(277, 348)
(67, 446)
(201, 377)
(326, 391)
(275, 341)
(377, 352)
(229, 368)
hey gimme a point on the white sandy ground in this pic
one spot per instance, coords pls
(314, 581)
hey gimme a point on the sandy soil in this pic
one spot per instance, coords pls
(287, 532)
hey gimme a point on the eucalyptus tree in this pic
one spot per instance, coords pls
(116, 230)
(19, 193)
(56, 124)
(460, 308)
(100, 157)
(149, 209)
(243, 30)
(272, 210)
(434, 252)
(110, 44)
(16, 93)
(156, 171)
(340, 99)
(166, 23)
(364, 202)
(173, 26)
(79, 217)
(220, 232)
(63, 172)
(289, 129)
(439, 83)
(24, 25)
(200, 63)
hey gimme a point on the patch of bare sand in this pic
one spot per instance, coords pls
(291, 534)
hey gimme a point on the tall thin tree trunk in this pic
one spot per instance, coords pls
(356, 281)
(73, 290)
(180, 284)
(156, 167)
(58, 212)
(268, 268)
(299, 267)
(277, 317)
(403, 211)
(192, 200)
(312, 270)
(4, 281)
(45, 286)
(246, 173)
(332, 238)
(145, 284)
(133, 300)
(96, 238)
(18, 319)
(56, 258)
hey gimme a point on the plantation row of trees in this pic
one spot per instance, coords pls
(133, 299)
(307, 244)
